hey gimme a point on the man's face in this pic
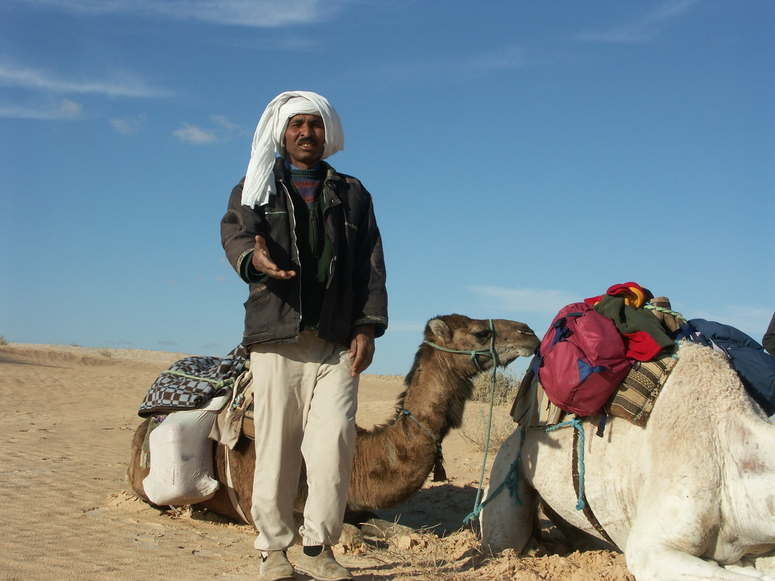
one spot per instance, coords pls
(305, 139)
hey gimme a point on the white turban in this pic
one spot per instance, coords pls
(269, 140)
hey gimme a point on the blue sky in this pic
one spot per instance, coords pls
(522, 155)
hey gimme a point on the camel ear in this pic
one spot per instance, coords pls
(441, 330)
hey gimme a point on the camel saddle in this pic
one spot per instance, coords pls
(632, 400)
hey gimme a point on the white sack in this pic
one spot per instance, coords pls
(182, 457)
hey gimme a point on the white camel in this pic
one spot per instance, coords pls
(684, 497)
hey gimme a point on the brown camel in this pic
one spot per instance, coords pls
(392, 461)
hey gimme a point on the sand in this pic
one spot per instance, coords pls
(68, 513)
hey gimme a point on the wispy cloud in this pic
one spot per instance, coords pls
(194, 134)
(65, 109)
(69, 108)
(213, 348)
(457, 68)
(540, 301)
(643, 29)
(226, 124)
(120, 85)
(223, 130)
(255, 13)
(128, 125)
(506, 58)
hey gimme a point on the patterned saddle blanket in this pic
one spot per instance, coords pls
(193, 381)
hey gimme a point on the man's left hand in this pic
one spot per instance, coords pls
(362, 348)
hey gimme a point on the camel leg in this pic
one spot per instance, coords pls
(136, 473)
(660, 562)
(664, 542)
(507, 521)
(749, 569)
(764, 563)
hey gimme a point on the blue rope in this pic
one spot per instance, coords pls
(477, 502)
(426, 430)
(678, 316)
(493, 354)
(513, 476)
(576, 423)
(511, 482)
(490, 351)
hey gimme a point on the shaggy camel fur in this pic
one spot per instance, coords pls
(392, 461)
(692, 490)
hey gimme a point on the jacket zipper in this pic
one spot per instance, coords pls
(292, 217)
(327, 208)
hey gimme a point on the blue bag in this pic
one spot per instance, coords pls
(753, 364)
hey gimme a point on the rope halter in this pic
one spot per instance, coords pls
(438, 470)
(492, 353)
(489, 351)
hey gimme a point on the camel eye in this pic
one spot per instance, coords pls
(483, 335)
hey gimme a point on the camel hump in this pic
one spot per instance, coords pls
(754, 366)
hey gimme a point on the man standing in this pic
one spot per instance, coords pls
(305, 239)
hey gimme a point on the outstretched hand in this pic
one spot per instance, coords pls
(362, 348)
(262, 262)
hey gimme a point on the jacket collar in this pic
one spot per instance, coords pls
(331, 181)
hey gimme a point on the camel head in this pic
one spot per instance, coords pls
(456, 348)
(458, 333)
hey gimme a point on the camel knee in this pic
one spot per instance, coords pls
(657, 561)
(507, 515)
(507, 521)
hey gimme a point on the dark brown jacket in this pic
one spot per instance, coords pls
(355, 294)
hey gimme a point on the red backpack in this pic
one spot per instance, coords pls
(581, 360)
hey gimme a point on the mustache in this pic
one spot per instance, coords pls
(310, 140)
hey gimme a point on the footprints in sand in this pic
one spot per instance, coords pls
(173, 531)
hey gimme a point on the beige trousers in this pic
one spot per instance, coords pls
(305, 401)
